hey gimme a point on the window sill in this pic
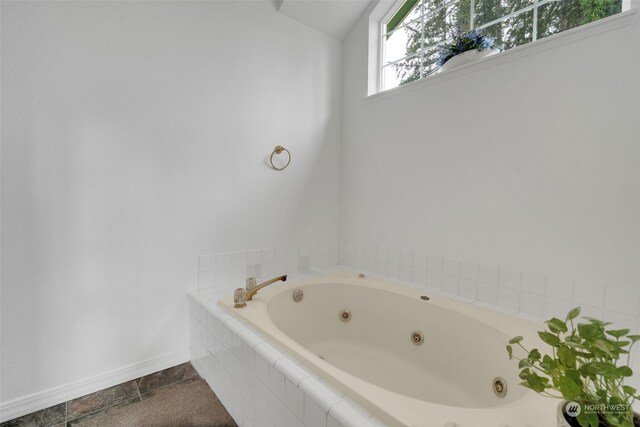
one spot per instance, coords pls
(566, 37)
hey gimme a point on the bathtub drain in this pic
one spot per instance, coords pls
(417, 337)
(298, 295)
(499, 387)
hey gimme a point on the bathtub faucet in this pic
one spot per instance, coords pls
(241, 296)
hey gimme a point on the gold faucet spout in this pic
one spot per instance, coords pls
(253, 291)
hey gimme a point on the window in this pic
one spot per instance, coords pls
(414, 28)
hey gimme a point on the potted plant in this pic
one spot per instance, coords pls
(464, 47)
(584, 368)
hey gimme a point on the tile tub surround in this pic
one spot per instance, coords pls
(533, 295)
(78, 410)
(224, 270)
(260, 386)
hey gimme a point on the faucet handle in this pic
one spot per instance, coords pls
(239, 298)
(251, 283)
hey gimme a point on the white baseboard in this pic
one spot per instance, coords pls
(53, 396)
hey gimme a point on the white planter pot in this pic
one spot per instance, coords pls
(562, 422)
(467, 58)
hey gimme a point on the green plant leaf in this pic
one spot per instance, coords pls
(618, 332)
(621, 344)
(616, 401)
(599, 368)
(537, 383)
(556, 325)
(534, 355)
(573, 313)
(510, 351)
(515, 340)
(588, 331)
(525, 363)
(618, 420)
(604, 346)
(629, 390)
(584, 354)
(569, 388)
(574, 374)
(549, 338)
(567, 357)
(588, 419)
(633, 338)
(598, 322)
(624, 371)
(548, 363)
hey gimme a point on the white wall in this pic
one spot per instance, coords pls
(134, 138)
(528, 161)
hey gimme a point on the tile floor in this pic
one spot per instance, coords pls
(175, 397)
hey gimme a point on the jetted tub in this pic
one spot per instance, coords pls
(373, 359)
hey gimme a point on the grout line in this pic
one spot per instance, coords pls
(104, 408)
(91, 413)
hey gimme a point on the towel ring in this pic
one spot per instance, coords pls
(279, 150)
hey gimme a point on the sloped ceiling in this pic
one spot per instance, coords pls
(332, 17)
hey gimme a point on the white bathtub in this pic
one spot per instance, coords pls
(372, 359)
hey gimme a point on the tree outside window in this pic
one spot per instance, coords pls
(410, 37)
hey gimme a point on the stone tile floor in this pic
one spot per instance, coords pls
(175, 397)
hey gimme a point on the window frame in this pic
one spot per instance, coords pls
(383, 18)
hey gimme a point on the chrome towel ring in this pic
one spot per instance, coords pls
(281, 161)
